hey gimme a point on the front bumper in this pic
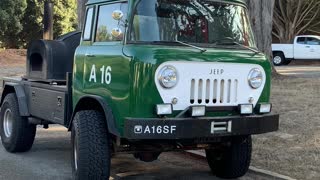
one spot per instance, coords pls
(205, 127)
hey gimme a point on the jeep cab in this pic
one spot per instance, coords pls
(146, 77)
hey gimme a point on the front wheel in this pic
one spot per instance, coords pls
(91, 153)
(17, 135)
(231, 161)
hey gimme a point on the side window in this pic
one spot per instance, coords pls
(88, 25)
(106, 23)
(301, 40)
(313, 41)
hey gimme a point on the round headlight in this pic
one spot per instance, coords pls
(255, 78)
(168, 77)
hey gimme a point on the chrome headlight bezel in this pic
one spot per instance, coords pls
(255, 78)
(168, 77)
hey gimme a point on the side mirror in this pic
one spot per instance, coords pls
(116, 32)
(117, 15)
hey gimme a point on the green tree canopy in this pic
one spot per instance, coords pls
(11, 14)
(65, 16)
(21, 20)
(32, 22)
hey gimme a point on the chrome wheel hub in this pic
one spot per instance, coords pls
(7, 123)
(277, 59)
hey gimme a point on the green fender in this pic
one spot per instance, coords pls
(107, 112)
(18, 89)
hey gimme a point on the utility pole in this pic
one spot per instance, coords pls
(48, 20)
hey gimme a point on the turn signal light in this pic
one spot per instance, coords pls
(264, 108)
(246, 109)
(164, 109)
(197, 111)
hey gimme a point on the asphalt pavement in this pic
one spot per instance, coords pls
(49, 159)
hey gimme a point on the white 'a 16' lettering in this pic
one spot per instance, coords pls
(105, 74)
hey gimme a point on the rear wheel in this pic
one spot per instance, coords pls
(231, 161)
(91, 152)
(278, 59)
(17, 135)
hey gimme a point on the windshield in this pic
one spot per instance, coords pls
(201, 22)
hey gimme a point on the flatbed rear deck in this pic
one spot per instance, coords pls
(46, 101)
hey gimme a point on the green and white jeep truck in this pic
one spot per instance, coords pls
(146, 77)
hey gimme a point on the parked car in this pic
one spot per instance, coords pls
(306, 47)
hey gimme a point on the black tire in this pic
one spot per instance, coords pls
(22, 134)
(231, 161)
(91, 151)
(278, 59)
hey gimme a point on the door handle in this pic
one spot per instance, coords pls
(307, 46)
(89, 55)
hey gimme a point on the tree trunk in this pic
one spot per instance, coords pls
(81, 11)
(261, 15)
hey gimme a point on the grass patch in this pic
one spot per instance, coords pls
(295, 149)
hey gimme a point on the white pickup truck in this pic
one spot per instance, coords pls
(305, 47)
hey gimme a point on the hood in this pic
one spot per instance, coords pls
(152, 54)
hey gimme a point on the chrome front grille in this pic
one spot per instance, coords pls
(214, 92)
(197, 85)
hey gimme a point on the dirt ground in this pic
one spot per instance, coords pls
(294, 150)
(12, 63)
(12, 57)
(305, 62)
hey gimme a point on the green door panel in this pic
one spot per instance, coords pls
(78, 72)
(112, 72)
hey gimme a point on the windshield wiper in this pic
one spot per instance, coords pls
(233, 42)
(193, 46)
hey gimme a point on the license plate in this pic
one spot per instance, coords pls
(165, 129)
